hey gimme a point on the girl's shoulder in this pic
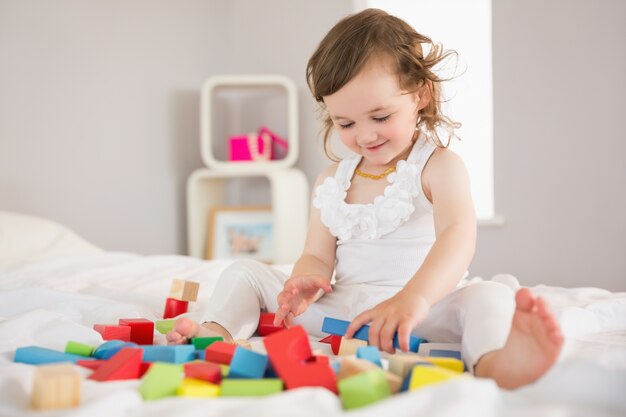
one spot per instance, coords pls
(327, 172)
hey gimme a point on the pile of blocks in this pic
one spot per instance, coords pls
(209, 367)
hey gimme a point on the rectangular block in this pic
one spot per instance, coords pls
(349, 346)
(174, 308)
(56, 387)
(363, 389)
(197, 388)
(450, 350)
(206, 371)
(113, 332)
(339, 327)
(266, 324)
(201, 343)
(370, 353)
(141, 330)
(251, 387)
(161, 380)
(247, 364)
(353, 366)
(125, 364)
(35, 355)
(427, 375)
(184, 290)
(220, 352)
(171, 353)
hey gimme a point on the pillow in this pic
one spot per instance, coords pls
(25, 238)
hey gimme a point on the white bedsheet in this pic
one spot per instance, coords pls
(49, 302)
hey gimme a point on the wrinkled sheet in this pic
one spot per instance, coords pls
(48, 302)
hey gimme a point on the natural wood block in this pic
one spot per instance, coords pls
(184, 290)
(401, 363)
(243, 343)
(350, 346)
(55, 386)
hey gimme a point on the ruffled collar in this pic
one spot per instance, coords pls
(372, 220)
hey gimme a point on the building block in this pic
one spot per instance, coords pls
(184, 290)
(55, 387)
(141, 330)
(251, 387)
(449, 350)
(125, 364)
(370, 353)
(113, 332)
(363, 389)
(339, 327)
(288, 351)
(174, 308)
(109, 348)
(35, 355)
(81, 349)
(353, 366)
(92, 364)
(247, 364)
(427, 375)
(205, 371)
(334, 341)
(453, 364)
(201, 343)
(243, 343)
(164, 326)
(168, 353)
(349, 346)
(197, 388)
(401, 363)
(266, 324)
(161, 380)
(220, 352)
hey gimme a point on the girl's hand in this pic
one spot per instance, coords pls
(401, 313)
(298, 293)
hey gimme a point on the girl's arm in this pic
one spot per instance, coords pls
(313, 271)
(446, 184)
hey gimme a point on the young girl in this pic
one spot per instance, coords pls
(392, 228)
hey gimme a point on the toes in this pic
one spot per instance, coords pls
(186, 327)
(524, 299)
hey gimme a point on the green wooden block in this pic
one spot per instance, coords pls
(164, 326)
(79, 349)
(202, 343)
(161, 380)
(363, 389)
(251, 387)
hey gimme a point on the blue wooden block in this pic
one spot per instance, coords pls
(171, 353)
(200, 354)
(109, 348)
(370, 353)
(336, 366)
(406, 382)
(270, 372)
(35, 355)
(339, 327)
(247, 364)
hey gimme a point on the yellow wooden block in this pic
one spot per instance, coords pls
(349, 346)
(191, 387)
(452, 364)
(184, 290)
(225, 369)
(353, 366)
(427, 375)
(56, 386)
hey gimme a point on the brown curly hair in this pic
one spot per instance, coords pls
(349, 45)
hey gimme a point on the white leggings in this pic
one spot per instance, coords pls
(477, 315)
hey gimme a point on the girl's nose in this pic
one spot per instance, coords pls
(365, 137)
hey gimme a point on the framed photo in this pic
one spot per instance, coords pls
(240, 232)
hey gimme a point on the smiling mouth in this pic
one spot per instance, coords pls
(373, 148)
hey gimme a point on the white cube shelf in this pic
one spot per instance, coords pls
(241, 82)
(290, 207)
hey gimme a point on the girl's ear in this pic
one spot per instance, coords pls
(424, 95)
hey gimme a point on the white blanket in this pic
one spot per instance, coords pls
(51, 300)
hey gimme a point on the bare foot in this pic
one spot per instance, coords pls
(185, 329)
(531, 348)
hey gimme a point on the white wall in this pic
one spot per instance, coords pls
(99, 120)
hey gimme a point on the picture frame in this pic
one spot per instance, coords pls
(240, 232)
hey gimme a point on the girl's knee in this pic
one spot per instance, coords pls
(488, 295)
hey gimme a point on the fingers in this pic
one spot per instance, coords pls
(363, 318)
(280, 314)
(404, 335)
(387, 333)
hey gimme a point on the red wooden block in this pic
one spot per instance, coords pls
(125, 364)
(141, 330)
(334, 341)
(144, 368)
(92, 364)
(289, 351)
(174, 307)
(113, 332)
(266, 324)
(220, 352)
(204, 370)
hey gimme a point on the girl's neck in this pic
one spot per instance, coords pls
(363, 164)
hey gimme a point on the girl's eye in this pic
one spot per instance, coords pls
(381, 119)
(346, 125)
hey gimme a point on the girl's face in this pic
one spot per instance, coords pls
(373, 116)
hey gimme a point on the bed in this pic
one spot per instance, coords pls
(54, 286)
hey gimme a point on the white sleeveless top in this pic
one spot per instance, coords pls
(384, 242)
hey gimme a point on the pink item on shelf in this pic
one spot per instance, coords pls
(255, 146)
